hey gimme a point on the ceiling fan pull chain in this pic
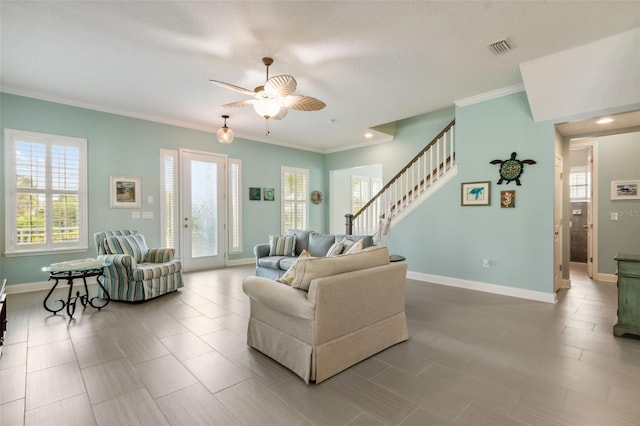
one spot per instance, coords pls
(266, 127)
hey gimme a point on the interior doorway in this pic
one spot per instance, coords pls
(581, 199)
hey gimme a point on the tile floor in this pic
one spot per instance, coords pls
(472, 359)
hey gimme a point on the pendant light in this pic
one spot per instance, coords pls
(225, 134)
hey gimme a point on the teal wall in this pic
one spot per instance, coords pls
(119, 145)
(453, 240)
(618, 159)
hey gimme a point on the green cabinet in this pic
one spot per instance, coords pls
(628, 295)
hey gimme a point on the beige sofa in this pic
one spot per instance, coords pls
(337, 312)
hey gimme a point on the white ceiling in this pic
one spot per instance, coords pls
(372, 62)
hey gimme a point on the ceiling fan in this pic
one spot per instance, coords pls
(275, 98)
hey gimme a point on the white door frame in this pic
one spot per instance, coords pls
(593, 218)
(184, 218)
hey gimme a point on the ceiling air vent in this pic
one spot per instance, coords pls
(500, 47)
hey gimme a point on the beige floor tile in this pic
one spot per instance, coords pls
(96, 349)
(200, 325)
(195, 405)
(142, 348)
(50, 355)
(13, 355)
(47, 334)
(110, 379)
(215, 371)
(76, 410)
(53, 384)
(164, 375)
(12, 383)
(186, 345)
(12, 413)
(253, 404)
(133, 409)
(225, 341)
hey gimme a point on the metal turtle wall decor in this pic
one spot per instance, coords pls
(511, 169)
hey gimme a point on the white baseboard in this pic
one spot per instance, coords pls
(610, 278)
(484, 287)
(240, 262)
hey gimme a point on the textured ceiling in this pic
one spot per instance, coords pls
(371, 62)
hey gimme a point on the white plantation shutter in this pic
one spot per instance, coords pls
(295, 190)
(169, 198)
(235, 205)
(46, 198)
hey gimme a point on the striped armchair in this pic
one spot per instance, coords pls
(136, 273)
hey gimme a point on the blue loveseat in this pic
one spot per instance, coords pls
(317, 244)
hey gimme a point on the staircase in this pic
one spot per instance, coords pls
(433, 167)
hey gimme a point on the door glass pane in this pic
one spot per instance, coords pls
(204, 208)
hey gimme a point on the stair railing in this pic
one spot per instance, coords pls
(420, 174)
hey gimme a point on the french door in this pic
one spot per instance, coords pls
(202, 218)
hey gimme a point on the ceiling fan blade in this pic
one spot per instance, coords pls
(303, 103)
(281, 114)
(281, 85)
(239, 104)
(233, 87)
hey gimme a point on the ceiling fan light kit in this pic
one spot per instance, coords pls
(225, 134)
(275, 97)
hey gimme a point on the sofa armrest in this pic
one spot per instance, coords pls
(354, 300)
(261, 250)
(159, 255)
(279, 297)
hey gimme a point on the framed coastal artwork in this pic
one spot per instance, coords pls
(125, 192)
(475, 193)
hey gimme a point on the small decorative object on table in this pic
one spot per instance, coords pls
(71, 270)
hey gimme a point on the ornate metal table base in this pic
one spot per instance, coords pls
(72, 299)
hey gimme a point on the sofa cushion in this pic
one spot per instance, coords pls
(335, 249)
(319, 244)
(311, 268)
(288, 276)
(133, 245)
(273, 262)
(302, 239)
(282, 245)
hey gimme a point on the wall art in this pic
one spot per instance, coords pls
(625, 190)
(125, 192)
(475, 193)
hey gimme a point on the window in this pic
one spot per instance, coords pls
(235, 205)
(46, 194)
(579, 184)
(295, 190)
(362, 189)
(168, 198)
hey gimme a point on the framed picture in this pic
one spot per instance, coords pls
(508, 199)
(126, 193)
(269, 194)
(475, 193)
(254, 194)
(625, 190)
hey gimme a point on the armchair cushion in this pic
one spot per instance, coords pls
(133, 245)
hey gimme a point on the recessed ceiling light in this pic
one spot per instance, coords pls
(368, 135)
(604, 120)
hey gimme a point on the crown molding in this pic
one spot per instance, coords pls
(494, 94)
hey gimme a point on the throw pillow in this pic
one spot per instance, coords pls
(335, 249)
(358, 246)
(133, 245)
(288, 276)
(347, 244)
(282, 245)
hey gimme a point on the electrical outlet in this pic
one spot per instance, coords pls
(614, 215)
(485, 263)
